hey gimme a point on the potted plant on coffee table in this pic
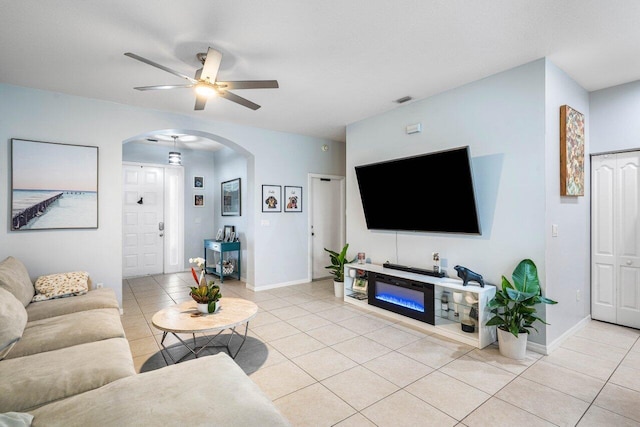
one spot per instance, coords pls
(513, 307)
(206, 296)
(338, 260)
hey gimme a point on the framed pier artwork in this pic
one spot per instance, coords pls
(53, 185)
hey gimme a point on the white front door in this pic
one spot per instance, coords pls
(327, 221)
(143, 223)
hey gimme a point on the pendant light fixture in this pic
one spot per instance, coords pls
(175, 158)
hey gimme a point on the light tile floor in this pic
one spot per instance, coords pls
(327, 363)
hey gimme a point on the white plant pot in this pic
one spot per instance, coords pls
(338, 289)
(203, 308)
(510, 346)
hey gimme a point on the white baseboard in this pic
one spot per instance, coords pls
(276, 285)
(547, 349)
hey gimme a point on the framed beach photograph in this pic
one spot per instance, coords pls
(271, 195)
(230, 191)
(198, 200)
(198, 182)
(292, 199)
(571, 152)
(53, 185)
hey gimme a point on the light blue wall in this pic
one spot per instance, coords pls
(567, 261)
(502, 119)
(272, 157)
(614, 118)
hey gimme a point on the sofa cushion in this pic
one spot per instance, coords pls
(222, 393)
(68, 330)
(14, 277)
(61, 285)
(98, 298)
(31, 381)
(13, 318)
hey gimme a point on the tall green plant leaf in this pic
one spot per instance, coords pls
(525, 277)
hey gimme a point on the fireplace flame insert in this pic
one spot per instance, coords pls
(403, 296)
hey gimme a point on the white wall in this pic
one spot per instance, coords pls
(614, 118)
(279, 158)
(502, 119)
(566, 268)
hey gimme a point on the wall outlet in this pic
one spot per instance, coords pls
(99, 285)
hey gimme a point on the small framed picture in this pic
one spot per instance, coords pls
(228, 229)
(271, 195)
(230, 191)
(232, 236)
(198, 200)
(219, 236)
(198, 182)
(292, 199)
(360, 284)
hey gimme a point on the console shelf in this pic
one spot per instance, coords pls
(446, 323)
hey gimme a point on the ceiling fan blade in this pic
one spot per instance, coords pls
(163, 87)
(238, 99)
(162, 67)
(200, 102)
(249, 84)
(211, 65)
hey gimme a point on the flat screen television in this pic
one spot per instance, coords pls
(433, 192)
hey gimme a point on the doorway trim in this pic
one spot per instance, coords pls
(343, 219)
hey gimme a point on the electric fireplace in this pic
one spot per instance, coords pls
(403, 296)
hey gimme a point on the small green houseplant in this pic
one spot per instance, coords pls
(513, 308)
(338, 260)
(208, 294)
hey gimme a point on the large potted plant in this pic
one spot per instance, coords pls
(513, 307)
(338, 260)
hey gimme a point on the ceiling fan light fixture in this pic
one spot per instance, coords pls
(205, 89)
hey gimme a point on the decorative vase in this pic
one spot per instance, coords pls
(203, 308)
(510, 346)
(338, 289)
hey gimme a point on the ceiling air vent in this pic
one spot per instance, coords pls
(403, 99)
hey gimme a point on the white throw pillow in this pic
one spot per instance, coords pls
(61, 285)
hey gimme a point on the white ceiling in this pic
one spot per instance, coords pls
(337, 61)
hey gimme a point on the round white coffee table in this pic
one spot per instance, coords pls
(184, 318)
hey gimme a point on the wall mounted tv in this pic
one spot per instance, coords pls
(432, 192)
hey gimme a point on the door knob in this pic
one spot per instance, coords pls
(629, 262)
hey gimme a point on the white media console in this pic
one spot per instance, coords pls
(445, 322)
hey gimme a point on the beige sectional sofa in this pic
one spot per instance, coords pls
(67, 362)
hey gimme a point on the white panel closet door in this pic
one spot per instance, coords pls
(615, 250)
(628, 233)
(603, 262)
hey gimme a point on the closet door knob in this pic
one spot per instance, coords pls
(629, 262)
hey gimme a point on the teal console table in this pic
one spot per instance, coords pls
(220, 248)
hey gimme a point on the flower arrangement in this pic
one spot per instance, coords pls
(204, 293)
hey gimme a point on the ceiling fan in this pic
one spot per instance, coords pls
(205, 82)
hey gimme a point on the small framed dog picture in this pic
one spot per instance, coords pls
(271, 198)
(292, 199)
